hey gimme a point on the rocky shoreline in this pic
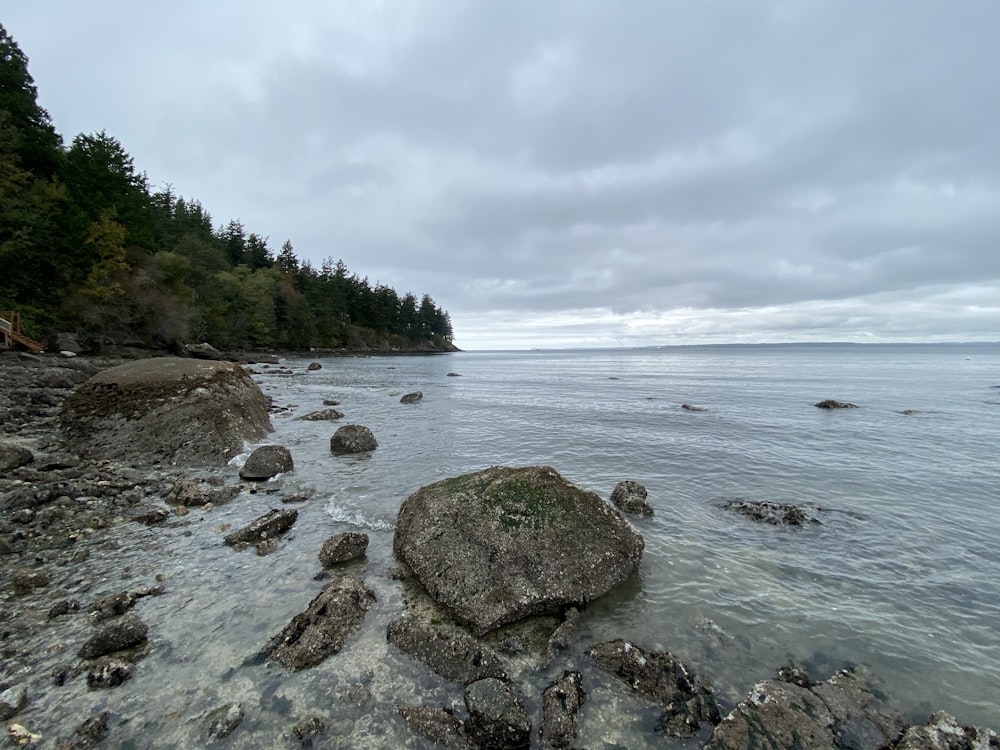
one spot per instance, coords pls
(70, 620)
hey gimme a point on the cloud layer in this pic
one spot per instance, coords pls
(574, 173)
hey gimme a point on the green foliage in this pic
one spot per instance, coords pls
(85, 245)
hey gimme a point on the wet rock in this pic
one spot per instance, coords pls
(341, 548)
(12, 700)
(21, 735)
(266, 462)
(630, 497)
(691, 407)
(203, 350)
(311, 726)
(662, 678)
(222, 721)
(14, 457)
(832, 404)
(88, 735)
(266, 547)
(273, 523)
(842, 712)
(166, 409)
(193, 493)
(321, 630)
(448, 650)
(63, 607)
(112, 606)
(26, 581)
(353, 438)
(313, 366)
(331, 402)
(498, 719)
(116, 636)
(502, 544)
(561, 703)
(411, 398)
(943, 732)
(108, 673)
(149, 515)
(777, 514)
(559, 640)
(454, 375)
(322, 415)
(438, 725)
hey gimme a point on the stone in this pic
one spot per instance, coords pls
(353, 438)
(12, 700)
(321, 630)
(64, 342)
(776, 514)
(203, 350)
(943, 732)
(662, 678)
(309, 727)
(561, 704)
(843, 712)
(503, 544)
(448, 650)
(26, 581)
(437, 725)
(126, 633)
(498, 719)
(89, 734)
(323, 415)
(411, 398)
(692, 407)
(223, 720)
(266, 462)
(166, 410)
(341, 548)
(273, 523)
(108, 672)
(193, 493)
(832, 404)
(313, 366)
(630, 497)
(14, 457)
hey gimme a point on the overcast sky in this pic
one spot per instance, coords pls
(575, 173)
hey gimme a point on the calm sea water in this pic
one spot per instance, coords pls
(901, 577)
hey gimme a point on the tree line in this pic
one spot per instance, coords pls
(87, 246)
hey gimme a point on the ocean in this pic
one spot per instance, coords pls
(901, 577)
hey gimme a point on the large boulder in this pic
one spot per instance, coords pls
(267, 461)
(630, 497)
(353, 438)
(166, 410)
(502, 544)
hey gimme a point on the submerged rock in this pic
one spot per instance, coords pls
(841, 713)
(503, 544)
(777, 514)
(89, 734)
(267, 461)
(222, 721)
(353, 438)
(192, 493)
(438, 725)
(561, 704)
(127, 632)
(322, 415)
(448, 650)
(108, 672)
(166, 409)
(411, 398)
(498, 719)
(662, 678)
(268, 526)
(341, 548)
(692, 407)
(630, 498)
(321, 630)
(12, 700)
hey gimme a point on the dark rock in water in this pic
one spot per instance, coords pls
(193, 493)
(323, 415)
(502, 544)
(561, 703)
(690, 407)
(313, 366)
(309, 727)
(166, 409)
(663, 679)
(149, 515)
(330, 402)
(777, 514)
(223, 720)
(108, 672)
(112, 606)
(842, 712)
(271, 524)
(342, 548)
(630, 497)
(831, 404)
(266, 547)
(559, 640)
(267, 461)
(909, 412)
(454, 375)
(12, 700)
(943, 732)
(448, 650)
(321, 630)
(89, 734)
(411, 398)
(14, 457)
(498, 719)
(438, 725)
(64, 607)
(116, 636)
(353, 438)
(27, 580)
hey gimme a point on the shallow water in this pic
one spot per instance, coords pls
(902, 576)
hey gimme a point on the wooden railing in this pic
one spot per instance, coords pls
(10, 331)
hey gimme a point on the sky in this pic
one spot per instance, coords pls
(575, 173)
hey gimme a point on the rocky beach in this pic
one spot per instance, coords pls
(126, 534)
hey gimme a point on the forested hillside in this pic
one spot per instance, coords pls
(86, 246)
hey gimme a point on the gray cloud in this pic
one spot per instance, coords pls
(577, 172)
